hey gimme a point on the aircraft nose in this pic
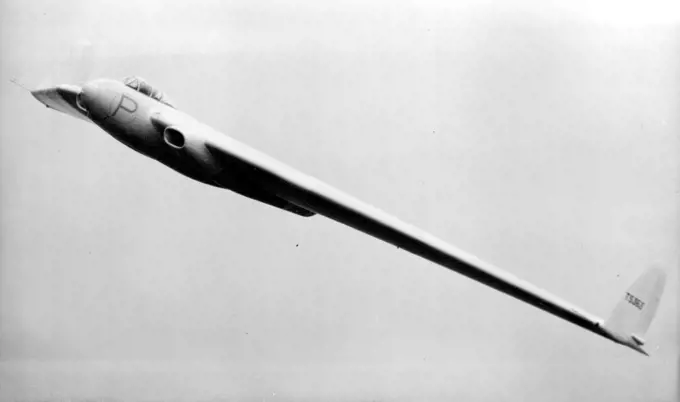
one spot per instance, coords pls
(97, 100)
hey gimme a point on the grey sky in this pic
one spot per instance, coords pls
(539, 137)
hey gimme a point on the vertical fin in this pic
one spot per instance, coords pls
(635, 311)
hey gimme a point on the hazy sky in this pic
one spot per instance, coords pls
(542, 138)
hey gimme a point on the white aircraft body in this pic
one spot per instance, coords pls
(144, 119)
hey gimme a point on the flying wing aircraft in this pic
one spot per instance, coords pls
(143, 118)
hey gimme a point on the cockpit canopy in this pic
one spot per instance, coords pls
(140, 85)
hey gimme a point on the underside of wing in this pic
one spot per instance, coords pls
(258, 194)
(217, 168)
(245, 179)
(314, 195)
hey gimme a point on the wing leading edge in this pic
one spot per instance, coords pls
(62, 98)
(314, 195)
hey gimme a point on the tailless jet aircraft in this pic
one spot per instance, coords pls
(143, 118)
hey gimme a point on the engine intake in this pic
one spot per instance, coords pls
(191, 146)
(174, 138)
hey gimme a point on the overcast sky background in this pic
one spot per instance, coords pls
(542, 138)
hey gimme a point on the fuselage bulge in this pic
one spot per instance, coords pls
(128, 115)
(143, 118)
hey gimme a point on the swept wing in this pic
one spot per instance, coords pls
(313, 195)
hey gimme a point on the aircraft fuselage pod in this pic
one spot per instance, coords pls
(134, 119)
(143, 118)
